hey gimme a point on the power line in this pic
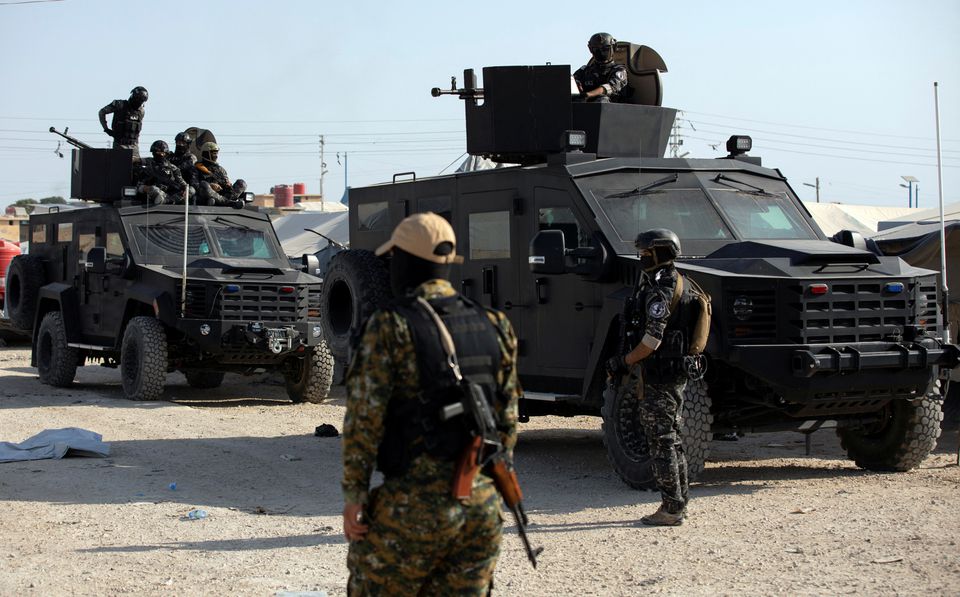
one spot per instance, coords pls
(27, 2)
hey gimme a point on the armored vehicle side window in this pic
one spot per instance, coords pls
(65, 232)
(763, 215)
(39, 234)
(562, 218)
(114, 244)
(373, 216)
(490, 235)
(438, 205)
(85, 242)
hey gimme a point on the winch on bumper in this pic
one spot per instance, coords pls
(272, 338)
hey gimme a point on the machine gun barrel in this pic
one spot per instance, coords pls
(71, 140)
(471, 91)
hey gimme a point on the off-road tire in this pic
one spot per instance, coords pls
(626, 444)
(24, 280)
(143, 359)
(309, 379)
(203, 379)
(356, 284)
(906, 435)
(56, 362)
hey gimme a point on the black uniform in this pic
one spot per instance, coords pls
(186, 162)
(127, 122)
(209, 173)
(666, 329)
(160, 181)
(610, 75)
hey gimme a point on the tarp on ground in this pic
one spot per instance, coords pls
(294, 238)
(834, 217)
(55, 443)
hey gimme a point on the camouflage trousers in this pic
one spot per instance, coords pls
(661, 416)
(422, 541)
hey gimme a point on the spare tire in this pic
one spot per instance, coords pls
(357, 283)
(24, 280)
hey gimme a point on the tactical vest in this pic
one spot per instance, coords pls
(127, 123)
(666, 363)
(413, 426)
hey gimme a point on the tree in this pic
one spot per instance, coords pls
(53, 200)
(27, 203)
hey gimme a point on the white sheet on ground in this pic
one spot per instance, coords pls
(55, 443)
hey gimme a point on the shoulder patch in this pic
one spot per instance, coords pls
(657, 309)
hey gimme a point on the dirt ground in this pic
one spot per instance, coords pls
(764, 519)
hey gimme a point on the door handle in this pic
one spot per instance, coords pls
(541, 285)
(507, 305)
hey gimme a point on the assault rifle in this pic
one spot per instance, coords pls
(488, 453)
(71, 140)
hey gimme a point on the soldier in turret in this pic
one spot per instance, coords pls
(127, 120)
(601, 79)
(214, 187)
(159, 180)
(185, 161)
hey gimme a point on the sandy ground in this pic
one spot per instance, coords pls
(765, 518)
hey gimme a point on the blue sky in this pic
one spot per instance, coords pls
(842, 90)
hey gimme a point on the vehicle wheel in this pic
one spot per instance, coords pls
(627, 448)
(203, 379)
(309, 379)
(143, 359)
(56, 362)
(357, 283)
(23, 290)
(906, 435)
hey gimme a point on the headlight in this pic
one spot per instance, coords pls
(205, 329)
(742, 308)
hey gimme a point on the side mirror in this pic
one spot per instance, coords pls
(310, 264)
(96, 260)
(547, 250)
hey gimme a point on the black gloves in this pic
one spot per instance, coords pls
(616, 366)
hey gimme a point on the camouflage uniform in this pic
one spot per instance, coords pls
(611, 76)
(126, 124)
(212, 172)
(421, 540)
(661, 404)
(160, 181)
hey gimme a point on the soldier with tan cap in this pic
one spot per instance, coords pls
(410, 535)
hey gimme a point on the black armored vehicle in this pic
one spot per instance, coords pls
(806, 333)
(157, 289)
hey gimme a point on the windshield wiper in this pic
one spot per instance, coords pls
(644, 189)
(756, 190)
(223, 220)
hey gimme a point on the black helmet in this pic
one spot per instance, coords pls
(663, 244)
(183, 137)
(138, 95)
(601, 46)
(159, 146)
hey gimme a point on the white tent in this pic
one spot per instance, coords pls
(834, 217)
(293, 230)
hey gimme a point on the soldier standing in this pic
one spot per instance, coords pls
(601, 79)
(665, 321)
(159, 179)
(411, 536)
(127, 120)
(213, 183)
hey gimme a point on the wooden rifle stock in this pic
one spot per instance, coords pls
(467, 467)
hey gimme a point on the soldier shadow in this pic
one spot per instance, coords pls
(326, 536)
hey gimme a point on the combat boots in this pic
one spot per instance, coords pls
(662, 518)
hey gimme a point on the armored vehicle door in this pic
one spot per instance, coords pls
(101, 299)
(564, 310)
(489, 271)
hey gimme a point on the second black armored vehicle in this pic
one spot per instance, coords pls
(806, 333)
(154, 289)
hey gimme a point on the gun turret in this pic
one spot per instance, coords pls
(71, 140)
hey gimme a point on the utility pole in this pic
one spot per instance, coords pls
(676, 139)
(910, 180)
(323, 170)
(816, 186)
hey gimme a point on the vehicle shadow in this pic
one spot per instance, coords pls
(326, 536)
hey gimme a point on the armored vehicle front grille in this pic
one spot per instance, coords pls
(262, 302)
(849, 311)
(927, 313)
(196, 305)
(753, 315)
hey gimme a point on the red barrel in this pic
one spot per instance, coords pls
(283, 195)
(8, 251)
(299, 188)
